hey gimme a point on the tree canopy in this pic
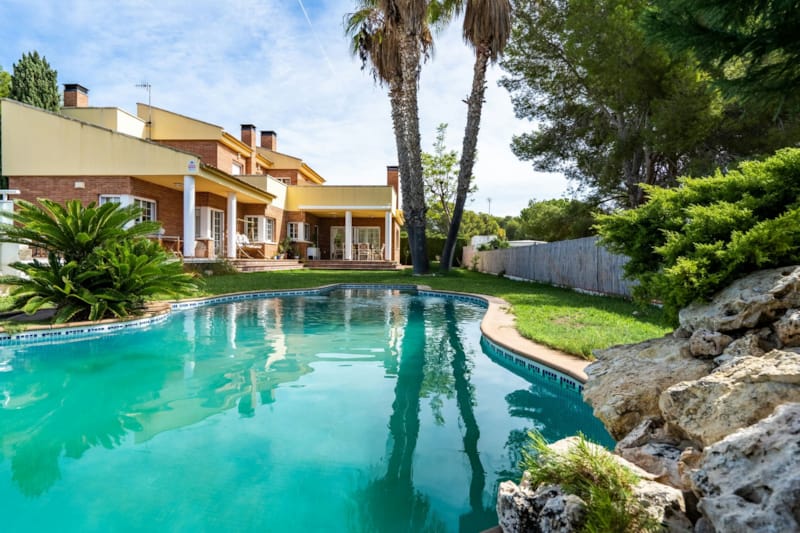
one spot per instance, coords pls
(754, 47)
(34, 82)
(615, 110)
(5, 83)
(555, 220)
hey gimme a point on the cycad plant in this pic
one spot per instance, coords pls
(97, 267)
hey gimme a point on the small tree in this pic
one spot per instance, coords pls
(440, 171)
(96, 267)
(34, 82)
(5, 83)
(687, 243)
(556, 220)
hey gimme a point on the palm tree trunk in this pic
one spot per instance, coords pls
(414, 189)
(474, 108)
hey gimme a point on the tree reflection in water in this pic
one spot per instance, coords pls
(392, 503)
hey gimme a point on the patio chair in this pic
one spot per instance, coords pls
(246, 249)
(363, 251)
(377, 254)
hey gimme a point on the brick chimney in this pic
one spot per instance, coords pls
(269, 140)
(75, 95)
(249, 135)
(393, 179)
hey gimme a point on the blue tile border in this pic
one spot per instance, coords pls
(56, 333)
(518, 362)
(531, 367)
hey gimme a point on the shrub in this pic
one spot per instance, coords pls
(687, 243)
(593, 475)
(96, 267)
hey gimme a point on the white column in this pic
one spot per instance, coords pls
(348, 235)
(231, 225)
(188, 216)
(387, 252)
(9, 252)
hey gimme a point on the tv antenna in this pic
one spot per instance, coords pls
(146, 85)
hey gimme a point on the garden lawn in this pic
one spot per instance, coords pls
(561, 318)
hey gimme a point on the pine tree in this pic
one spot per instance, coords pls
(34, 82)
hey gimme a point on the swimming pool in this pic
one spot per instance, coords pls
(356, 410)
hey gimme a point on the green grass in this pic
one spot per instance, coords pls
(561, 318)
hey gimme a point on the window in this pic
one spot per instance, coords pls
(269, 230)
(293, 230)
(148, 208)
(236, 169)
(108, 199)
(259, 229)
(369, 234)
(306, 232)
(285, 181)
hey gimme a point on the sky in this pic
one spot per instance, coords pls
(283, 65)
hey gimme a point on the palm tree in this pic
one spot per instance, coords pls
(393, 36)
(487, 27)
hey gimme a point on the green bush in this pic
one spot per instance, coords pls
(689, 242)
(435, 246)
(592, 474)
(96, 267)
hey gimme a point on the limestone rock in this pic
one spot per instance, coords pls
(749, 344)
(788, 328)
(649, 447)
(547, 509)
(626, 381)
(688, 462)
(515, 507)
(707, 343)
(750, 481)
(734, 396)
(746, 303)
(665, 504)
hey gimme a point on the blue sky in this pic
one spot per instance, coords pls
(282, 65)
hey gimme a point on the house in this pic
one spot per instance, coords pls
(207, 187)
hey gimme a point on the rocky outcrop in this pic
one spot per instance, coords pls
(734, 396)
(695, 409)
(750, 480)
(616, 390)
(522, 508)
(548, 508)
(747, 303)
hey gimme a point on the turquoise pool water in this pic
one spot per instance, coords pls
(360, 410)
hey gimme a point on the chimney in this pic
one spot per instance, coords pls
(393, 179)
(249, 135)
(75, 95)
(269, 140)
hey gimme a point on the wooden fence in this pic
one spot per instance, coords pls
(579, 264)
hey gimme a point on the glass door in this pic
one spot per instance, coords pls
(218, 231)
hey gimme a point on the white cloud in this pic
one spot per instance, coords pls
(263, 62)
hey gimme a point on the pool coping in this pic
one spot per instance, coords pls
(497, 326)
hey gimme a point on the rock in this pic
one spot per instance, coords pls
(625, 382)
(734, 396)
(788, 328)
(515, 507)
(649, 447)
(665, 504)
(707, 343)
(688, 462)
(749, 344)
(750, 480)
(746, 303)
(562, 513)
(547, 509)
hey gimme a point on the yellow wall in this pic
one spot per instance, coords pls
(340, 196)
(39, 143)
(270, 185)
(109, 117)
(168, 125)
